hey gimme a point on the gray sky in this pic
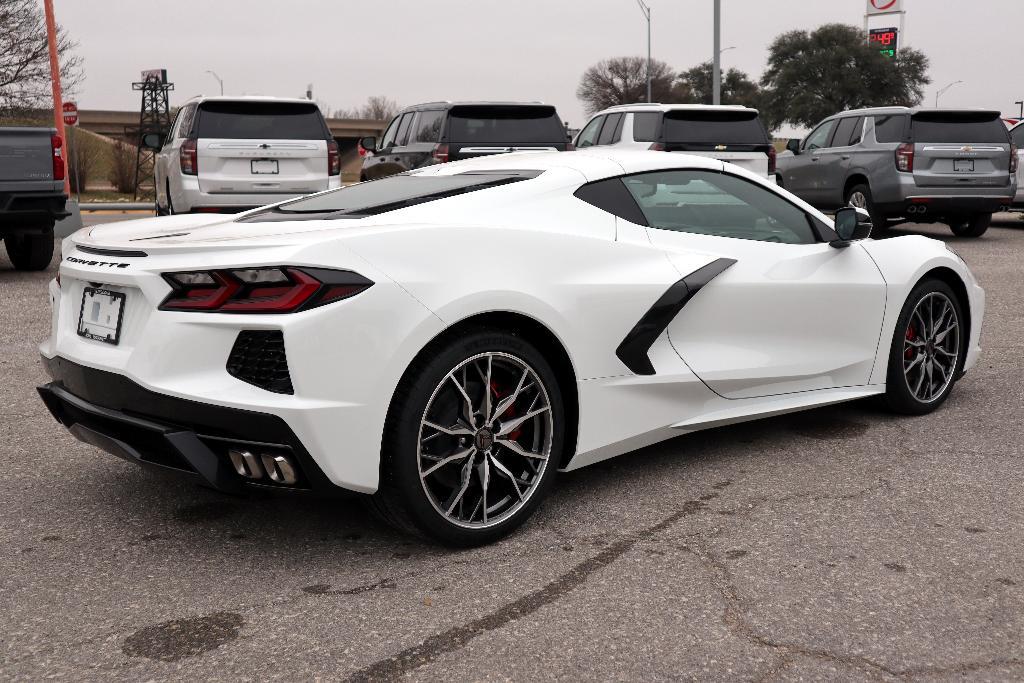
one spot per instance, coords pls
(422, 50)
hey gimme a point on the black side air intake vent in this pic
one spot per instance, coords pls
(258, 358)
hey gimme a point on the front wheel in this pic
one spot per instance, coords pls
(472, 441)
(971, 226)
(859, 196)
(32, 251)
(928, 349)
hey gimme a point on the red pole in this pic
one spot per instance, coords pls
(58, 99)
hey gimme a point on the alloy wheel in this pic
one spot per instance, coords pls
(858, 200)
(931, 347)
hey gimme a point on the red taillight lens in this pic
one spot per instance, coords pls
(1014, 159)
(333, 158)
(772, 159)
(189, 158)
(441, 153)
(657, 147)
(260, 290)
(58, 157)
(905, 158)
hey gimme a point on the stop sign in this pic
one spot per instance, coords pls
(70, 114)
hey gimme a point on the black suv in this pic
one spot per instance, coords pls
(437, 132)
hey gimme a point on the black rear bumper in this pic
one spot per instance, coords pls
(19, 208)
(117, 415)
(943, 206)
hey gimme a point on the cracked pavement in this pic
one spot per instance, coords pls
(842, 542)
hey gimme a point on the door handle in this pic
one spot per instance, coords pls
(846, 157)
(815, 158)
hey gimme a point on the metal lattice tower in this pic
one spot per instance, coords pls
(154, 117)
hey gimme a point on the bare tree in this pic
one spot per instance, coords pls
(377, 107)
(623, 80)
(24, 58)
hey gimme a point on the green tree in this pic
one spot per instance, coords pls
(813, 75)
(623, 80)
(696, 86)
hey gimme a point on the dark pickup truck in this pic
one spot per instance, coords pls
(32, 195)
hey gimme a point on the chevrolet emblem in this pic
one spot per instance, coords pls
(719, 148)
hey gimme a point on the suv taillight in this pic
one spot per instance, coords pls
(657, 147)
(283, 289)
(1014, 159)
(440, 153)
(58, 158)
(189, 157)
(333, 158)
(905, 158)
(772, 159)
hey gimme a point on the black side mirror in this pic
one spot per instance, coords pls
(369, 143)
(793, 146)
(852, 224)
(152, 141)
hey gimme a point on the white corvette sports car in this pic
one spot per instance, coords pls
(446, 340)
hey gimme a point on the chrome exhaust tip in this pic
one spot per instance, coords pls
(246, 463)
(279, 468)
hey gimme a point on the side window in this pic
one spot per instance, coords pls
(645, 126)
(428, 127)
(858, 132)
(844, 131)
(403, 129)
(610, 126)
(820, 137)
(1018, 136)
(588, 136)
(389, 135)
(709, 203)
(185, 124)
(890, 128)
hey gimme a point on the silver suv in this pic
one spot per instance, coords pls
(924, 165)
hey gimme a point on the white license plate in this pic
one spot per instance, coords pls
(100, 318)
(264, 166)
(963, 165)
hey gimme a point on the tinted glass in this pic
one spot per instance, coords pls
(403, 128)
(1018, 136)
(398, 192)
(610, 126)
(492, 124)
(958, 128)
(428, 127)
(260, 120)
(858, 131)
(820, 137)
(713, 128)
(588, 136)
(890, 128)
(389, 135)
(844, 131)
(187, 115)
(645, 126)
(717, 204)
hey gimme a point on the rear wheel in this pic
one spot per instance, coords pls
(31, 251)
(859, 196)
(970, 226)
(472, 441)
(928, 349)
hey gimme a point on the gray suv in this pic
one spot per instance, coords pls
(923, 165)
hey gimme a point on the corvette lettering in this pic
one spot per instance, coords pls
(109, 264)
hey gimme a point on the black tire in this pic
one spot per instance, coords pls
(30, 251)
(879, 221)
(971, 226)
(402, 500)
(899, 395)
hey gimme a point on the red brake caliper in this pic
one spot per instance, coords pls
(509, 412)
(911, 336)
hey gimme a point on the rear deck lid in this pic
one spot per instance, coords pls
(960, 149)
(736, 136)
(480, 129)
(249, 147)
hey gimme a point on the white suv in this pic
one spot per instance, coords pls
(728, 133)
(235, 153)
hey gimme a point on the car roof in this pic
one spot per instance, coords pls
(658, 106)
(247, 98)
(447, 104)
(915, 110)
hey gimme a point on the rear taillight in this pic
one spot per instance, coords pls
(1014, 159)
(440, 153)
(189, 157)
(657, 147)
(284, 289)
(772, 159)
(333, 158)
(905, 158)
(58, 157)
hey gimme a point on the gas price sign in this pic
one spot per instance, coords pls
(886, 39)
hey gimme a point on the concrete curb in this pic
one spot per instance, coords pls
(118, 206)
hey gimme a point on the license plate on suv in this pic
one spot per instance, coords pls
(963, 165)
(264, 166)
(101, 314)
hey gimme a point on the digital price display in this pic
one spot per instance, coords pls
(887, 39)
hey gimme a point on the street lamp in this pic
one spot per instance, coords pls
(219, 80)
(1021, 103)
(647, 15)
(716, 69)
(943, 90)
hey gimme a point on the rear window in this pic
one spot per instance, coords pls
(714, 128)
(260, 120)
(958, 127)
(645, 126)
(397, 192)
(890, 128)
(506, 124)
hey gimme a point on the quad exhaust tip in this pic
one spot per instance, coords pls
(275, 466)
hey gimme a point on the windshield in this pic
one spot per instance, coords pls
(260, 121)
(398, 192)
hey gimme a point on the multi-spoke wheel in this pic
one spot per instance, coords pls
(927, 349)
(473, 440)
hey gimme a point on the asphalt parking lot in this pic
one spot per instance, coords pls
(837, 543)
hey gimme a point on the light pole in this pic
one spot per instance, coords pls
(942, 91)
(1021, 103)
(647, 15)
(716, 72)
(214, 74)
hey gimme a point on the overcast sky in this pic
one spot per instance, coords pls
(423, 50)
